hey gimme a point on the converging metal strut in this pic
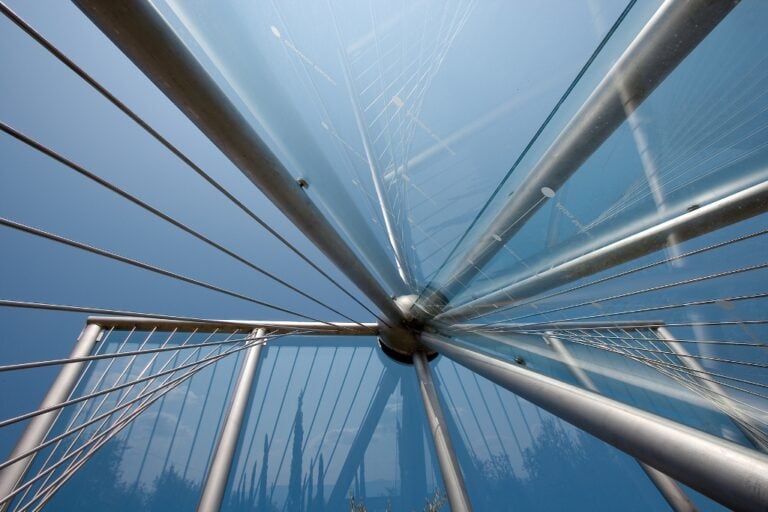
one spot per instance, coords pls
(29, 30)
(446, 457)
(39, 426)
(615, 248)
(668, 37)
(142, 34)
(221, 463)
(668, 488)
(732, 475)
(732, 410)
(385, 204)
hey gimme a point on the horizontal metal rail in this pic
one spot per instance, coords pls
(732, 475)
(669, 36)
(618, 247)
(139, 30)
(223, 326)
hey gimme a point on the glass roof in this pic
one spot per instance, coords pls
(429, 103)
(412, 126)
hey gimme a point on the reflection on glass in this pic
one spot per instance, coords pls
(331, 421)
(411, 125)
(156, 461)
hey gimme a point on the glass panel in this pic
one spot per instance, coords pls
(410, 125)
(331, 421)
(711, 297)
(512, 452)
(700, 136)
(423, 101)
(147, 419)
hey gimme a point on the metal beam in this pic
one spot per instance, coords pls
(274, 327)
(676, 28)
(732, 475)
(139, 30)
(38, 427)
(449, 466)
(699, 374)
(614, 248)
(515, 328)
(221, 462)
(410, 447)
(385, 204)
(668, 488)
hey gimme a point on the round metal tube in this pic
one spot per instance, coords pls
(664, 42)
(218, 470)
(732, 475)
(139, 30)
(616, 248)
(446, 457)
(275, 327)
(39, 426)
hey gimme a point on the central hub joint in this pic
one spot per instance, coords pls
(401, 341)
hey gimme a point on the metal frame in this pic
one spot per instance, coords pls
(221, 463)
(726, 472)
(668, 37)
(731, 474)
(139, 30)
(38, 427)
(668, 488)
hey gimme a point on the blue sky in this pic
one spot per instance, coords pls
(43, 99)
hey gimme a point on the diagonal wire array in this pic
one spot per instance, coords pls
(109, 397)
(28, 29)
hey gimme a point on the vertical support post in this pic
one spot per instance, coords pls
(39, 426)
(449, 466)
(221, 463)
(667, 486)
(413, 467)
(699, 373)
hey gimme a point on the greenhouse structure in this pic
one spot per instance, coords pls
(384, 255)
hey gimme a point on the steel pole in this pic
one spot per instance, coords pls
(642, 237)
(699, 373)
(221, 463)
(668, 488)
(274, 327)
(140, 31)
(730, 474)
(39, 426)
(385, 204)
(676, 28)
(446, 457)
